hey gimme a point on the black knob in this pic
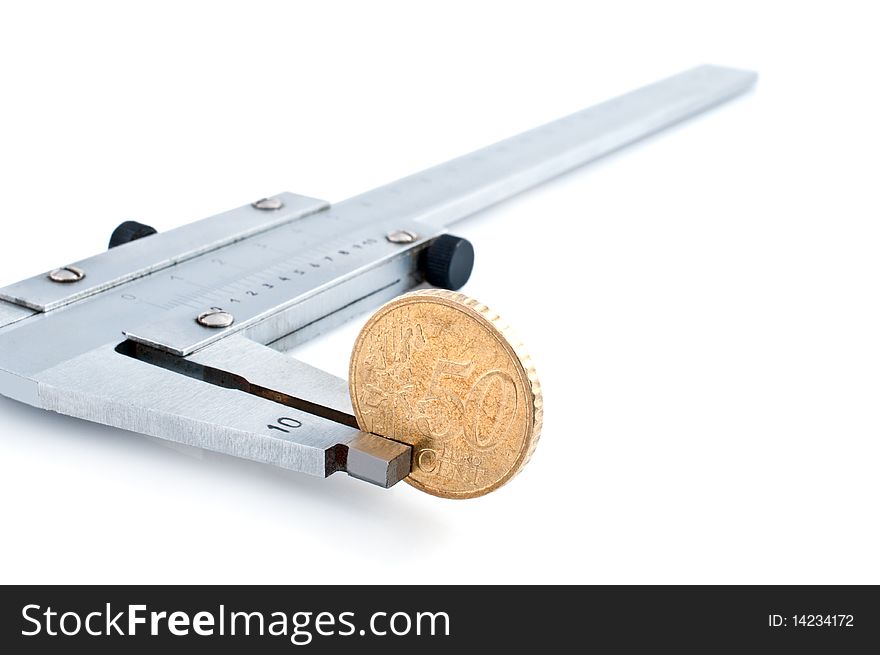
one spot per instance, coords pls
(447, 263)
(129, 231)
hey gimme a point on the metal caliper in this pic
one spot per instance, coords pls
(181, 335)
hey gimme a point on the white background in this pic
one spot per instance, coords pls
(703, 308)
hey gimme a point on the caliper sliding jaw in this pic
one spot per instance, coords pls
(236, 397)
(179, 335)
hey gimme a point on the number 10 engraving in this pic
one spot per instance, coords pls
(285, 424)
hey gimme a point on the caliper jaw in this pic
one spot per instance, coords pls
(235, 397)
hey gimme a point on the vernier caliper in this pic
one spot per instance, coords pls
(180, 335)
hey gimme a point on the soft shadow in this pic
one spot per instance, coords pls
(374, 517)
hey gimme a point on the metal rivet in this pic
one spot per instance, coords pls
(268, 203)
(215, 318)
(67, 274)
(401, 236)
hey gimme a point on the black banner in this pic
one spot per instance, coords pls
(432, 619)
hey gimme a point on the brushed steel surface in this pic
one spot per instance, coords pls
(276, 372)
(132, 260)
(107, 387)
(285, 277)
(162, 403)
(456, 189)
(10, 313)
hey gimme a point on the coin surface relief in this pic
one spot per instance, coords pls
(443, 373)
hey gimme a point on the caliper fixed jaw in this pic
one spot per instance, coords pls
(235, 397)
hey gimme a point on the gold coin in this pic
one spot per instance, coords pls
(441, 372)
